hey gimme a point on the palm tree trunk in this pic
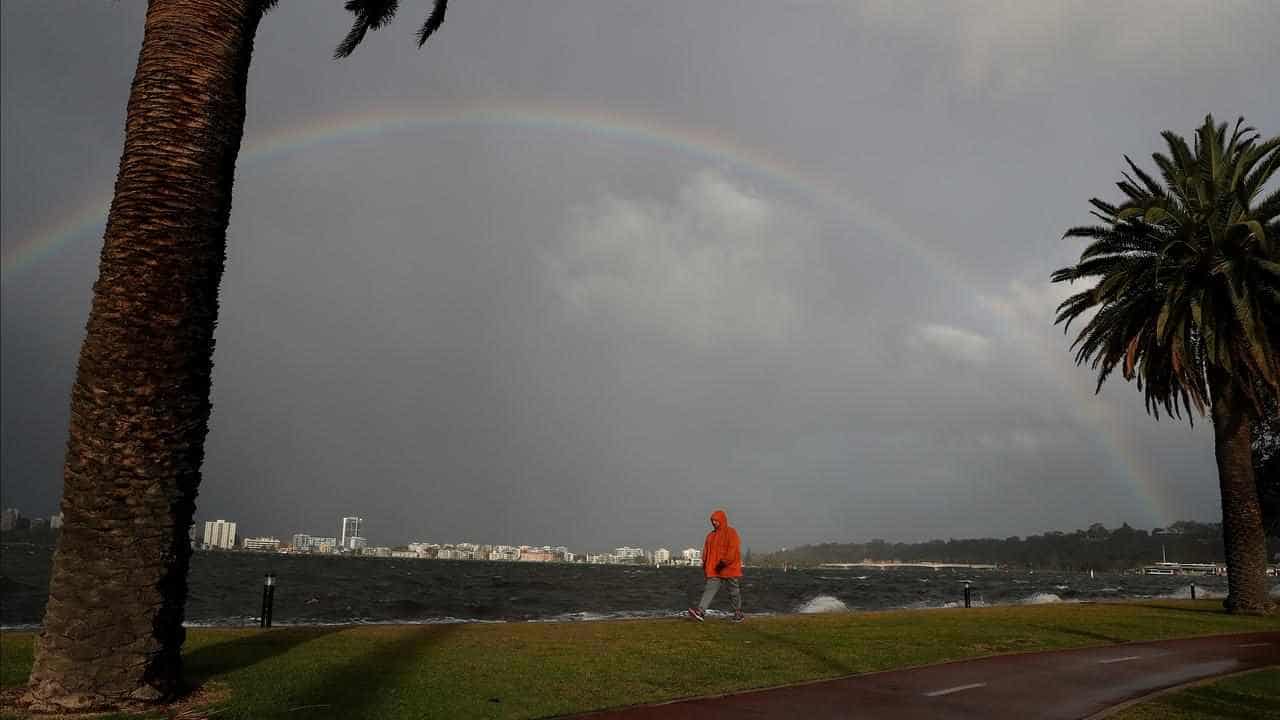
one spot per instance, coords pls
(140, 404)
(1246, 548)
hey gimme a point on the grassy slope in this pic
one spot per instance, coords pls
(1253, 696)
(523, 670)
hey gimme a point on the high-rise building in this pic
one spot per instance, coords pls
(219, 534)
(350, 531)
(302, 541)
(662, 556)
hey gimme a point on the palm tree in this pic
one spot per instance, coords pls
(1187, 301)
(140, 404)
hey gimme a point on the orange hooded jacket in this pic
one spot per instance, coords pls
(721, 552)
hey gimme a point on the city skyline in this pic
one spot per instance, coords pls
(214, 528)
(302, 540)
(199, 527)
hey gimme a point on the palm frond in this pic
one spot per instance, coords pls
(370, 15)
(1186, 272)
(374, 14)
(1269, 208)
(1151, 185)
(433, 21)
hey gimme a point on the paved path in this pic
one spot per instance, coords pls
(1065, 684)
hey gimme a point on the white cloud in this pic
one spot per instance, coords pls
(960, 344)
(1015, 43)
(1031, 307)
(712, 264)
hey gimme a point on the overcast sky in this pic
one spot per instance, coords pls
(579, 272)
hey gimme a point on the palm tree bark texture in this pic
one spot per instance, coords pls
(1242, 532)
(140, 404)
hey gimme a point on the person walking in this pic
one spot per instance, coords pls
(722, 564)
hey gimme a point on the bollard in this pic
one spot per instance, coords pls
(268, 595)
(1193, 591)
(966, 593)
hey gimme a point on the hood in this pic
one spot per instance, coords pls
(721, 517)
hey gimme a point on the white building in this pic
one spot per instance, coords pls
(423, 548)
(357, 543)
(504, 552)
(623, 554)
(350, 531)
(269, 544)
(691, 556)
(662, 556)
(323, 545)
(302, 541)
(219, 534)
(55, 521)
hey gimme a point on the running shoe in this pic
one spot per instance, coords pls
(697, 614)
(738, 616)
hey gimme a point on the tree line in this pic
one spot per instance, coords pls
(1096, 548)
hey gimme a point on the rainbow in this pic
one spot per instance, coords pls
(708, 145)
(703, 144)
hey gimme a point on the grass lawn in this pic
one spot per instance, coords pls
(524, 670)
(1254, 695)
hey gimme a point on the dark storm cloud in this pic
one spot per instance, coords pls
(548, 334)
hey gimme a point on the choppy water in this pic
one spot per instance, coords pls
(226, 589)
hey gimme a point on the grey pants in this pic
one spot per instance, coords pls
(713, 587)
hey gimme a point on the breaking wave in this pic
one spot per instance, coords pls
(822, 604)
(1041, 598)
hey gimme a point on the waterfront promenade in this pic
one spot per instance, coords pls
(1058, 685)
